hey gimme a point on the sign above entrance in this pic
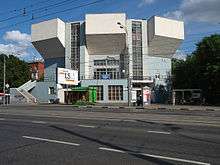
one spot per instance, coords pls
(105, 76)
(67, 76)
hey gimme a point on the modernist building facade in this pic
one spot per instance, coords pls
(115, 54)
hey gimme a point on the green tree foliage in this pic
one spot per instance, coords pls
(17, 71)
(201, 69)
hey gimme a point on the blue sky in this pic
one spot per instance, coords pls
(201, 18)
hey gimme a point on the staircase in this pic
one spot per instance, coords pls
(28, 85)
(30, 98)
(21, 94)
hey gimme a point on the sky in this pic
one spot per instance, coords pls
(201, 18)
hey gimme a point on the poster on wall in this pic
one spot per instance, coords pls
(133, 96)
(146, 96)
(67, 76)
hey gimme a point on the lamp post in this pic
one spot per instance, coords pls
(4, 68)
(127, 52)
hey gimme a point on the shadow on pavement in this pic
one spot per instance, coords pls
(130, 152)
(20, 147)
(147, 122)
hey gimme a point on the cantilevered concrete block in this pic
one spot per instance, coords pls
(48, 38)
(164, 36)
(104, 35)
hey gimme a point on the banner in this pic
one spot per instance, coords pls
(146, 96)
(67, 76)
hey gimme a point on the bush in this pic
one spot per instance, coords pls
(82, 103)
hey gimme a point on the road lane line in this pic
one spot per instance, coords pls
(127, 120)
(2, 119)
(157, 156)
(86, 126)
(159, 132)
(50, 140)
(111, 149)
(112, 119)
(175, 159)
(38, 122)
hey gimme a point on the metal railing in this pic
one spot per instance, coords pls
(30, 98)
(28, 85)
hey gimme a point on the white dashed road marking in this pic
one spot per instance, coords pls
(159, 132)
(127, 120)
(176, 159)
(50, 140)
(86, 126)
(158, 156)
(39, 122)
(110, 149)
(2, 119)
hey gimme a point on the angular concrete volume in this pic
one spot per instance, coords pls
(164, 36)
(48, 38)
(104, 35)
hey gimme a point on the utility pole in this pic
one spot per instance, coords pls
(4, 68)
(128, 55)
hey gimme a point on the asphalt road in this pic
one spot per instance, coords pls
(39, 136)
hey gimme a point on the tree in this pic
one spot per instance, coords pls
(201, 69)
(17, 71)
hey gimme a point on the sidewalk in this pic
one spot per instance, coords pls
(121, 107)
(183, 107)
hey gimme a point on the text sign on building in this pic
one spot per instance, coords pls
(105, 76)
(67, 76)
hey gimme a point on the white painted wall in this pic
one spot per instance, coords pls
(60, 95)
(164, 36)
(166, 27)
(84, 63)
(61, 31)
(48, 29)
(129, 44)
(104, 23)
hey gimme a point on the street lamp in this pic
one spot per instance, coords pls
(4, 68)
(127, 52)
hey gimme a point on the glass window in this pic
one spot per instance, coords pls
(137, 50)
(99, 62)
(75, 46)
(99, 91)
(51, 91)
(112, 72)
(115, 92)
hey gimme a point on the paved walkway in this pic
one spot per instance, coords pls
(149, 107)
(182, 107)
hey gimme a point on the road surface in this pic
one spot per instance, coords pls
(55, 135)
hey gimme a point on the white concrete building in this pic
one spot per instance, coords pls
(111, 52)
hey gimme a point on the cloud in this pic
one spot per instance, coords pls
(17, 36)
(17, 43)
(177, 14)
(180, 55)
(197, 11)
(13, 49)
(145, 2)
